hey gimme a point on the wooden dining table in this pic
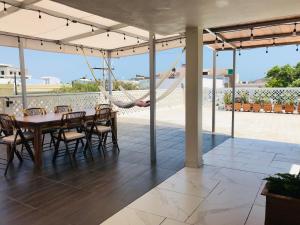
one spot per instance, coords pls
(51, 120)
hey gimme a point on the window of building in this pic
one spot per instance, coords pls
(2, 72)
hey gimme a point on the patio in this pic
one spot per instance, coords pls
(92, 191)
(226, 190)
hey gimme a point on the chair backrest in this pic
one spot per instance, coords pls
(102, 115)
(72, 120)
(103, 106)
(7, 124)
(62, 109)
(34, 111)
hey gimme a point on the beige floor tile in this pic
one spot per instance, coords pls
(172, 222)
(129, 216)
(167, 204)
(257, 216)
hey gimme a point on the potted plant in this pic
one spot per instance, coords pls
(245, 102)
(267, 105)
(228, 101)
(257, 104)
(237, 104)
(282, 193)
(289, 105)
(278, 105)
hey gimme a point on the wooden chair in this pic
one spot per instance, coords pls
(102, 106)
(101, 127)
(62, 109)
(41, 111)
(14, 136)
(72, 129)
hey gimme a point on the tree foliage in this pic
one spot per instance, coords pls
(285, 76)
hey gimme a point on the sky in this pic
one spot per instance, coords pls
(252, 64)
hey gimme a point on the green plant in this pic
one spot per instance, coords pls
(227, 98)
(256, 99)
(284, 184)
(289, 99)
(278, 100)
(266, 100)
(245, 97)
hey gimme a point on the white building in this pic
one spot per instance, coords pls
(10, 74)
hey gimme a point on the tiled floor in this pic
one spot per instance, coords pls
(225, 191)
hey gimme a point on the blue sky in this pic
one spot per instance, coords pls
(251, 65)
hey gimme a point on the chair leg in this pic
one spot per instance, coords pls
(68, 151)
(52, 140)
(82, 143)
(115, 141)
(10, 159)
(18, 155)
(29, 150)
(76, 147)
(55, 150)
(43, 139)
(88, 146)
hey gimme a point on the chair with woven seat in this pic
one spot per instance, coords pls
(101, 127)
(41, 111)
(72, 129)
(62, 109)
(103, 106)
(14, 136)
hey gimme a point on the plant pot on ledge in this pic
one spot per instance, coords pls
(282, 208)
(256, 107)
(228, 107)
(298, 108)
(267, 107)
(277, 108)
(246, 107)
(289, 108)
(237, 106)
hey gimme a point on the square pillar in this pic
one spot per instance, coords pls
(193, 97)
(23, 72)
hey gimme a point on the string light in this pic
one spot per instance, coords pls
(117, 52)
(167, 43)
(295, 30)
(274, 42)
(92, 29)
(124, 37)
(138, 40)
(60, 47)
(180, 41)
(76, 48)
(267, 50)
(217, 53)
(91, 50)
(107, 34)
(40, 16)
(216, 41)
(67, 24)
(240, 52)
(251, 35)
(241, 44)
(297, 49)
(42, 43)
(162, 44)
(223, 45)
(4, 7)
(133, 50)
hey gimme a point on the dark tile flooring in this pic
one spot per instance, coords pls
(90, 191)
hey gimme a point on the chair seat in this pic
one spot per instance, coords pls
(11, 138)
(71, 135)
(102, 129)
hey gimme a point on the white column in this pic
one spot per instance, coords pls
(233, 90)
(193, 97)
(23, 72)
(213, 122)
(152, 97)
(109, 72)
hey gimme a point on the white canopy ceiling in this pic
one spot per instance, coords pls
(51, 26)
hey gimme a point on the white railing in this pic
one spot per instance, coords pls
(79, 101)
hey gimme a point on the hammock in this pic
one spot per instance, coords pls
(133, 101)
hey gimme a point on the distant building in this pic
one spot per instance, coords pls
(140, 77)
(10, 74)
(49, 80)
(83, 80)
(259, 83)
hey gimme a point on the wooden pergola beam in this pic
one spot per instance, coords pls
(256, 24)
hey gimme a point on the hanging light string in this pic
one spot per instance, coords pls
(295, 30)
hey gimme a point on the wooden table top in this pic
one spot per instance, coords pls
(51, 117)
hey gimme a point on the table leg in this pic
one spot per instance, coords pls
(115, 126)
(38, 147)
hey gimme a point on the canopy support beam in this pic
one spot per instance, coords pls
(213, 122)
(109, 72)
(193, 97)
(23, 72)
(233, 90)
(152, 66)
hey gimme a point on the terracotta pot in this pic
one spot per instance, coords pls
(289, 108)
(256, 107)
(268, 107)
(278, 108)
(237, 106)
(246, 107)
(281, 210)
(298, 108)
(228, 107)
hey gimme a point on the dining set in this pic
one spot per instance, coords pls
(25, 135)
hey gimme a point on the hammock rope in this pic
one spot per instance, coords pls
(133, 101)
